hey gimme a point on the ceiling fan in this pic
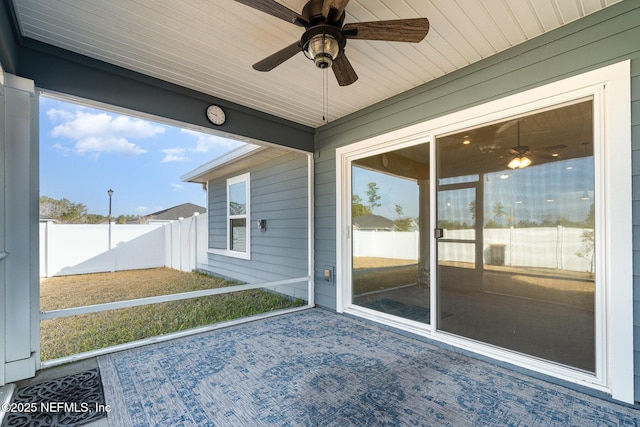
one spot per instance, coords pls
(325, 36)
(523, 153)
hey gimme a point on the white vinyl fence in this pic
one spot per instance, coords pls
(67, 249)
(547, 247)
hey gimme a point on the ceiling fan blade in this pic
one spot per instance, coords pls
(333, 9)
(397, 30)
(520, 150)
(552, 147)
(344, 72)
(273, 8)
(272, 61)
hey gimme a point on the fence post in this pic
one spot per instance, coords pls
(114, 259)
(47, 238)
(510, 247)
(195, 241)
(167, 245)
(559, 246)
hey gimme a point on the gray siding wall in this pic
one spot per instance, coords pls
(279, 194)
(597, 40)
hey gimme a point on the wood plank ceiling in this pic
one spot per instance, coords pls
(209, 46)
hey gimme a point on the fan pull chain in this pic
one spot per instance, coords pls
(325, 96)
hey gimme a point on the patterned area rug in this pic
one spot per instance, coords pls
(318, 368)
(73, 400)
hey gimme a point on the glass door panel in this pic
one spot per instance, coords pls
(516, 256)
(389, 217)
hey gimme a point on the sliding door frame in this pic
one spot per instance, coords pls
(344, 259)
(610, 88)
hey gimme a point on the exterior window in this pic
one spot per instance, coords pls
(238, 196)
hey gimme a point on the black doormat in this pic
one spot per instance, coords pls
(73, 400)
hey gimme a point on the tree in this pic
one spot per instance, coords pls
(372, 194)
(525, 223)
(587, 249)
(498, 211)
(124, 219)
(402, 223)
(236, 208)
(95, 219)
(67, 212)
(590, 220)
(62, 210)
(357, 207)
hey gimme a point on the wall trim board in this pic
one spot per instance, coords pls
(65, 72)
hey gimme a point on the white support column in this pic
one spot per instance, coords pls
(3, 248)
(19, 321)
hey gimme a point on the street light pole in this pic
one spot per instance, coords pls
(110, 193)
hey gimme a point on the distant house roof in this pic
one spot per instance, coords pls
(184, 210)
(372, 222)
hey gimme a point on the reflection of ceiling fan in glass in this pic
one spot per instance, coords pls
(523, 154)
(521, 159)
(325, 37)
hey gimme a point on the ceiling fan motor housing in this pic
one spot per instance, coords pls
(312, 12)
(323, 41)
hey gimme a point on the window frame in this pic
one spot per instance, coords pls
(229, 251)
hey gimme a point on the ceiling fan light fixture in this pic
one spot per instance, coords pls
(519, 162)
(322, 49)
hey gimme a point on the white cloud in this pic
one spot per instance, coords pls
(142, 209)
(96, 133)
(64, 150)
(55, 115)
(204, 143)
(174, 155)
(104, 144)
(177, 187)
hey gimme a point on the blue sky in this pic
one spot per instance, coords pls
(392, 190)
(86, 151)
(539, 192)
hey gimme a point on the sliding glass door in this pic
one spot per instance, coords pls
(503, 229)
(514, 234)
(515, 262)
(389, 223)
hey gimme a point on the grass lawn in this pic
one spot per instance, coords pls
(70, 335)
